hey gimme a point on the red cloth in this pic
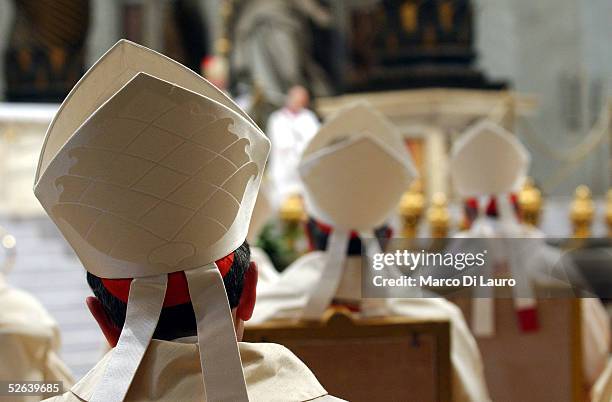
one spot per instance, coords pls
(528, 319)
(177, 291)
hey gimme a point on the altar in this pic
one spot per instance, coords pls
(22, 132)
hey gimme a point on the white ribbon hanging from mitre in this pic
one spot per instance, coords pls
(157, 178)
(489, 161)
(354, 172)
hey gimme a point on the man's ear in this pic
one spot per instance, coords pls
(249, 293)
(109, 329)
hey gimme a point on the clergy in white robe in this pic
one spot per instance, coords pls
(29, 342)
(287, 298)
(151, 174)
(489, 161)
(549, 266)
(289, 130)
(355, 170)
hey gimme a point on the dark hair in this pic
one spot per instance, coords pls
(318, 238)
(176, 321)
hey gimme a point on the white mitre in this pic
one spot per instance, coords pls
(488, 160)
(148, 169)
(355, 171)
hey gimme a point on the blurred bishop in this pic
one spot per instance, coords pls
(490, 164)
(290, 129)
(151, 173)
(29, 336)
(355, 171)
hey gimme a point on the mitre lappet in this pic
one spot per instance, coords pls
(354, 171)
(488, 161)
(152, 173)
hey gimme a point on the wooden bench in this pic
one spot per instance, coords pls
(369, 359)
(536, 366)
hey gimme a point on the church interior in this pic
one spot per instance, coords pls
(412, 197)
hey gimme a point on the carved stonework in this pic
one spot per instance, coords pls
(409, 44)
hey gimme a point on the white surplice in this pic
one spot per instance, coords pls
(289, 133)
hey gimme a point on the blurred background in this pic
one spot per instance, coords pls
(542, 69)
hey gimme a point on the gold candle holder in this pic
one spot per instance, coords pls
(292, 215)
(582, 211)
(530, 203)
(438, 216)
(292, 209)
(412, 206)
(609, 212)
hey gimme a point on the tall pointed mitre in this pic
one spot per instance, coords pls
(487, 160)
(147, 170)
(354, 170)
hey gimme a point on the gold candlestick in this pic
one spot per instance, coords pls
(530, 203)
(411, 209)
(292, 209)
(438, 216)
(581, 212)
(292, 214)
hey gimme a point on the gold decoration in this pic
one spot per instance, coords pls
(223, 46)
(292, 214)
(609, 212)
(581, 212)
(292, 209)
(445, 15)
(430, 37)
(530, 203)
(409, 13)
(411, 208)
(438, 216)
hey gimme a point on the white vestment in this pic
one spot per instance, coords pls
(170, 371)
(288, 296)
(289, 133)
(29, 342)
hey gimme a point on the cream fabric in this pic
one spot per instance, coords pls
(287, 298)
(595, 342)
(602, 390)
(219, 356)
(170, 371)
(143, 309)
(29, 341)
